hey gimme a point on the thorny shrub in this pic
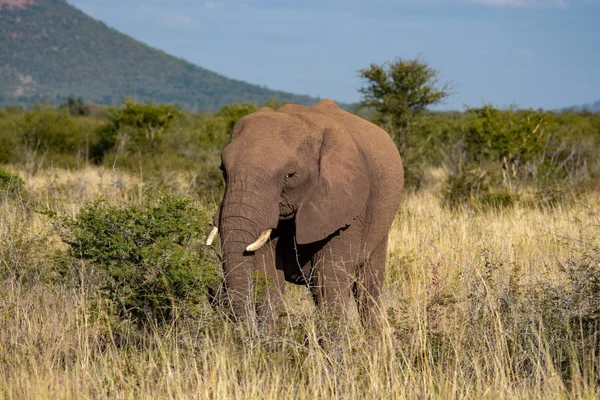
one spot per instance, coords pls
(150, 262)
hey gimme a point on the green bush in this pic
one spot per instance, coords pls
(211, 132)
(106, 138)
(506, 136)
(44, 136)
(232, 113)
(9, 147)
(9, 183)
(144, 124)
(150, 262)
(76, 107)
(473, 187)
(500, 152)
(46, 129)
(462, 187)
(136, 128)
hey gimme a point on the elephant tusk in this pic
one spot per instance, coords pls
(212, 235)
(260, 242)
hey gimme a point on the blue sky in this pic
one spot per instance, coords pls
(528, 53)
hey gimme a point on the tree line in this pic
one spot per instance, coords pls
(489, 156)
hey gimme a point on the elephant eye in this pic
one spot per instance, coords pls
(289, 175)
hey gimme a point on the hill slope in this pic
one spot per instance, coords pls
(50, 50)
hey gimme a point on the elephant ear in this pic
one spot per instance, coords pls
(340, 191)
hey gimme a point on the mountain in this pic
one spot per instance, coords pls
(594, 107)
(50, 50)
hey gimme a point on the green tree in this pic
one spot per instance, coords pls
(77, 107)
(398, 92)
(143, 124)
(150, 119)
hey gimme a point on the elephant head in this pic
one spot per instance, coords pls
(292, 163)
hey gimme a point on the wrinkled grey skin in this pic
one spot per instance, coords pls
(329, 184)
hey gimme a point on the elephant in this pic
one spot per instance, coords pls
(310, 196)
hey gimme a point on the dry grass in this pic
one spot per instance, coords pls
(479, 305)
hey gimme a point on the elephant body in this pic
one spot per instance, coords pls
(320, 188)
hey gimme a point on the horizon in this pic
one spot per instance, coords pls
(521, 53)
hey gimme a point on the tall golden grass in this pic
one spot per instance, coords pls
(477, 305)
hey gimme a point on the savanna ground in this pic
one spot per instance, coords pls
(493, 274)
(494, 304)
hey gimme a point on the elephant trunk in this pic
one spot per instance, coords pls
(245, 216)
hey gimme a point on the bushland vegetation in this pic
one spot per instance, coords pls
(492, 287)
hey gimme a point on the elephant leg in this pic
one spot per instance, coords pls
(268, 284)
(331, 280)
(368, 287)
